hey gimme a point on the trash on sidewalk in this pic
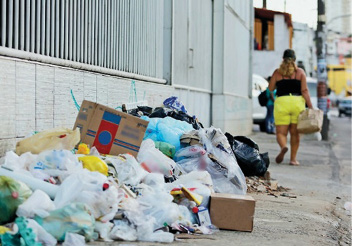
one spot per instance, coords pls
(3, 229)
(190, 138)
(166, 148)
(74, 239)
(126, 169)
(12, 194)
(110, 131)
(232, 212)
(74, 217)
(39, 203)
(217, 159)
(32, 182)
(167, 130)
(264, 185)
(58, 138)
(131, 178)
(252, 162)
(288, 195)
(54, 165)
(94, 163)
(175, 103)
(27, 232)
(153, 160)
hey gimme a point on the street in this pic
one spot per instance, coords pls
(322, 185)
(114, 114)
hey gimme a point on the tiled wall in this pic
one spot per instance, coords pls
(35, 96)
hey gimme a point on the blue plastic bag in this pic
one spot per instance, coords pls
(175, 103)
(166, 130)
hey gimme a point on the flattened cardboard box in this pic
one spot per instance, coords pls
(232, 212)
(110, 131)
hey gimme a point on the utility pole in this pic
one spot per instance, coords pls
(264, 4)
(321, 68)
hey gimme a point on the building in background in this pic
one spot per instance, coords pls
(304, 46)
(339, 46)
(273, 32)
(189, 48)
(338, 29)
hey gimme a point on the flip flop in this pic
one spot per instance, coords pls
(280, 156)
(294, 163)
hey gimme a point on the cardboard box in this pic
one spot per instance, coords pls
(232, 212)
(110, 131)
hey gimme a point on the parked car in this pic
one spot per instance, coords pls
(345, 106)
(259, 84)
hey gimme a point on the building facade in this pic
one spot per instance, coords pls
(304, 46)
(272, 36)
(97, 48)
(338, 30)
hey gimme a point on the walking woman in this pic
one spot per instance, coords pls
(291, 96)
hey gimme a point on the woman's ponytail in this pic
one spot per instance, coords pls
(287, 67)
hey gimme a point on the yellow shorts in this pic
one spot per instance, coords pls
(287, 109)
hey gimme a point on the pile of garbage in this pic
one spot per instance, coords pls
(54, 188)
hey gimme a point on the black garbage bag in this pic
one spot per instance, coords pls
(178, 115)
(159, 112)
(248, 157)
(139, 111)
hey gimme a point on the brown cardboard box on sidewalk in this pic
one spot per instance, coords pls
(110, 131)
(232, 212)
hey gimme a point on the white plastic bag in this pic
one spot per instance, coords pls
(39, 203)
(159, 236)
(73, 239)
(157, 202)
(144, 224)
(122, 230)
(56, 159)
(76, 183)
(58, 138)
(42, 235)
(154, 179)
(103, 204)
(225, 159)
(153, 160)
(127, 169)
(104, 230)
(55, 163)
(227, 176)
(87, 187)
(16, 163)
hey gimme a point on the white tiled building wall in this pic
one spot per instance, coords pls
(36, 96)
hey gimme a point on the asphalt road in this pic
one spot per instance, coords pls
(322, 184)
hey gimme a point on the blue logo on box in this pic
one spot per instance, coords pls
(105, 137)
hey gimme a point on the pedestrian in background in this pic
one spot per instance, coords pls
(291, 96)
(269, 119)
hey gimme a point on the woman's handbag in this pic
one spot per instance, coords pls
(263, 99)
(310, 121)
